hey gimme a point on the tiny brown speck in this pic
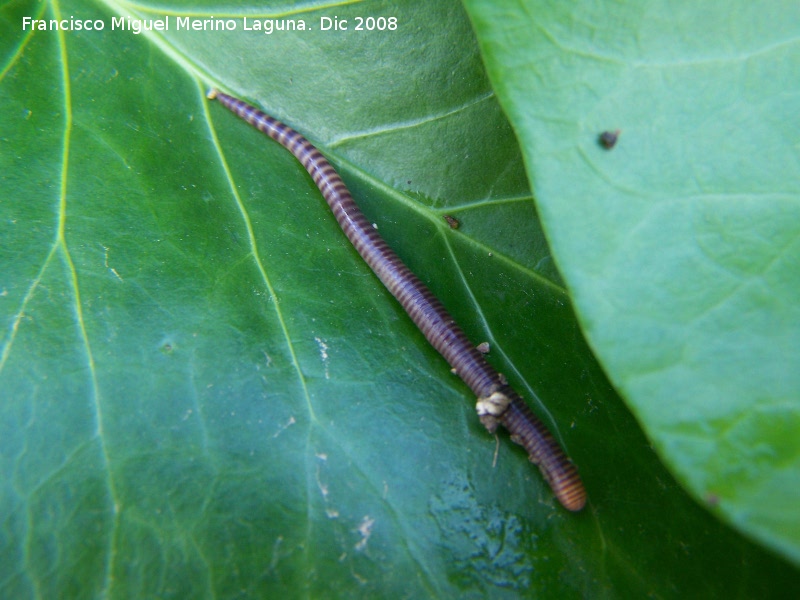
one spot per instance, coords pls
(452, 221)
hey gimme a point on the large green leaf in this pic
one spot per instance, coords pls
(204, 391)
(681, 246)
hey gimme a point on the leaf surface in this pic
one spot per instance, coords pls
(681, 245)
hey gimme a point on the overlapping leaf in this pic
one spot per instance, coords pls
(681, 246)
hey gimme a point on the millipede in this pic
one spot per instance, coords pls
(498, 403)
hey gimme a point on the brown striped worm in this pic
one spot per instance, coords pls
(498, 403)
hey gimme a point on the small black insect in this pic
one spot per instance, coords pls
(608, 139)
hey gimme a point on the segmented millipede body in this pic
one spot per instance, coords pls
(498, 403)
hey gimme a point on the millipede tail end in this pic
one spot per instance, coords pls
(544, 451)
(504, 407)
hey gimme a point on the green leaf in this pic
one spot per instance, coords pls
(681, 245)
(206, 393)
